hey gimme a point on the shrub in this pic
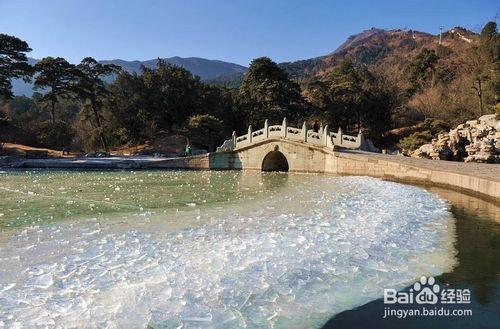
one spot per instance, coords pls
(435, 126)
(415, 140)
(56, 135)
(205, 130)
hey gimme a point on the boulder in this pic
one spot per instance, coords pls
(473, 141)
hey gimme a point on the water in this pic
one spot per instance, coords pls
(209, 249)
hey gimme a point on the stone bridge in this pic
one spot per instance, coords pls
(322, 137)
(284, 148)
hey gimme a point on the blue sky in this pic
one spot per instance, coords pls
(232, 30)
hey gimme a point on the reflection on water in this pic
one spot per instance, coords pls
(275, 180)
(478, 246)
(477, 269)
(198, 249)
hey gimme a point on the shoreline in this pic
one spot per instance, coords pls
(476, 179)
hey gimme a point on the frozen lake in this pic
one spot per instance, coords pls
(209, 249)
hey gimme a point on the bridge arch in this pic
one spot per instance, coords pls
(275, 161)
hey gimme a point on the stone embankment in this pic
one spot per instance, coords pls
(473, 178)
(477, 179)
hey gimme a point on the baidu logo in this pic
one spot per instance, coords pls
(427, 291)
(423, 297)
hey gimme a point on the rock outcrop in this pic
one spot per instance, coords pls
(473, 141)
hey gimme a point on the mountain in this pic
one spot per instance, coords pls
(385, 51)
(358, 39)
(449, 95)
(206, 69)
(19, 87)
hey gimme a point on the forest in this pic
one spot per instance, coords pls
(74, 108)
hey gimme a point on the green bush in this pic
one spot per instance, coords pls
(430, 129)
(435, 126)
(415, 140)
(56, 135)
(205, 130)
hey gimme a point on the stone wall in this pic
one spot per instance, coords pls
(478, 179)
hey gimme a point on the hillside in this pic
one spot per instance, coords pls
(385, 51)
(393, 79)
(206, 69)
(448, 95)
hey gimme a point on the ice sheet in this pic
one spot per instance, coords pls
(308, 250)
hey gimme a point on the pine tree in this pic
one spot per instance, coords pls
(59, 77)
(92, 90)
(13, 63)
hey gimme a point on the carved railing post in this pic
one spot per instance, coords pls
(325, 135)
(361, 140)
(249, 134)
(284, 128)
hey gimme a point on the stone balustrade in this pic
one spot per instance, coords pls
(323, 137)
